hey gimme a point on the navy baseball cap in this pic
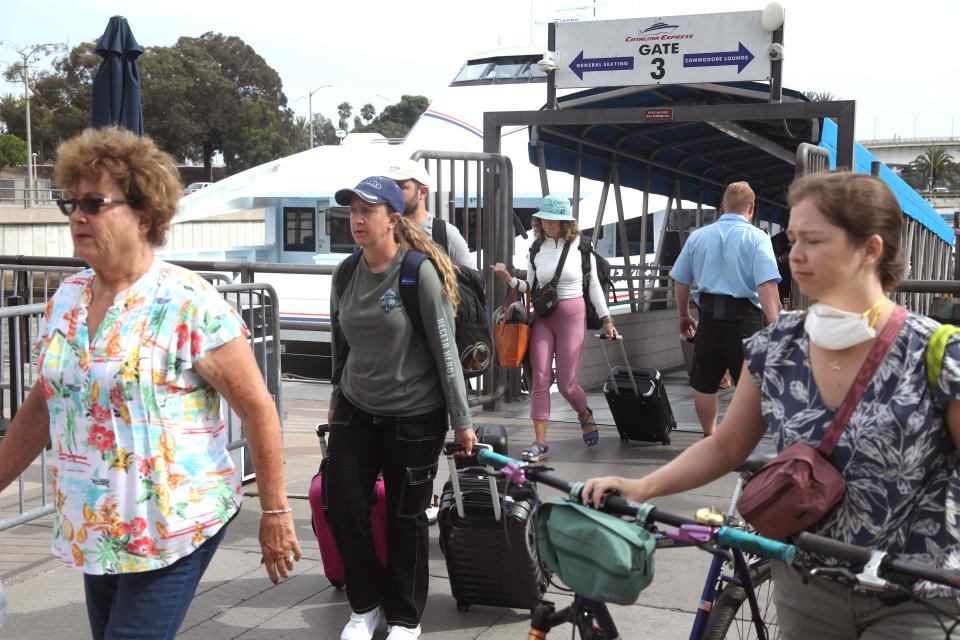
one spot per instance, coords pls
(375, 190)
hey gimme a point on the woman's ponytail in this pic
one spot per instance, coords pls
(409, 235)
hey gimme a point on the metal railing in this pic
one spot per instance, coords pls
(257, 305)
(35, 196)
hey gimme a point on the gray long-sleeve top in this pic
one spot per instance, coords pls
(389, 370)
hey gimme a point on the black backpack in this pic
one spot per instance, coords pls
(603, 274)
(472, 330)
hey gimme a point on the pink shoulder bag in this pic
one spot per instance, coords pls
(799, 486)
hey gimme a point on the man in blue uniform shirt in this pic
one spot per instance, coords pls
(736, 273)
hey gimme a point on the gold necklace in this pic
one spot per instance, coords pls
(835, 365)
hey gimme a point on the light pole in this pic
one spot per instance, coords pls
(951, 116)
(27, 54)
(310, 108)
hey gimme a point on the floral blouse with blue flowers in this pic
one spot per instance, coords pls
(141, 473)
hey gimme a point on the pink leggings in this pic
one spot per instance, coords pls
(560, 335)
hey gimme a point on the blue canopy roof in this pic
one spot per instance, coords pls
(698, 159)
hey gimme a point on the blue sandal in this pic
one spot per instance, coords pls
(590, 438)
(536, 452)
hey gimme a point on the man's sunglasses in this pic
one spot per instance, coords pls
(89, 206)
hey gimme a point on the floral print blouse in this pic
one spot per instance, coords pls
(141, 474)
(896, 455)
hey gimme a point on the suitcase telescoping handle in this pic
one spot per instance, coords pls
(623, 352)
(448, 450)
(322, 431)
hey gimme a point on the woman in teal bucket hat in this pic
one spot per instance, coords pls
(562, 334)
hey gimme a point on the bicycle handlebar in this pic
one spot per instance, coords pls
(857, 555)
(616, 504)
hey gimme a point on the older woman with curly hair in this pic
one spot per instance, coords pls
(133, 355)
(560, 335)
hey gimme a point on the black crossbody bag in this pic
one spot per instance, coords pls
(545, 299)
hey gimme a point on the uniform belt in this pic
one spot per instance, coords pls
(723, 307)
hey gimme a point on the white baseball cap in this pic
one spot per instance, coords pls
(409, 170)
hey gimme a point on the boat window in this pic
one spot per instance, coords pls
(474, 71)
(299, 229)
(338, 229)
(500, 70)
(507, 70)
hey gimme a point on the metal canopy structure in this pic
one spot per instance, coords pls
(663, 154)
(695, 138)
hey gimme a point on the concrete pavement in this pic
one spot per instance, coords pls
(235, 599)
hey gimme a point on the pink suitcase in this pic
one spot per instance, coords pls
(329, 555)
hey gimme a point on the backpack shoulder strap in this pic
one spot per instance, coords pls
(345, 272)
(410, 287)
(586, 248)
(534, 250)
(439, 233)
(934, 354)
(347, 268)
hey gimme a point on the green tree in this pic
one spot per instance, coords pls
(344, 110)
(936, 166)
(324, 131)
(819, 96)
(396, 119)
(263, 138)
(368, 112)
(201, 95)
(13, 151)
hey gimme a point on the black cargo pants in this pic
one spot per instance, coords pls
(405, 450)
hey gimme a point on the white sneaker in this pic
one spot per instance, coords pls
(362, 625)
(396, 632)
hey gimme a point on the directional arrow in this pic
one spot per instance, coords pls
(740, 58)
(581, 65)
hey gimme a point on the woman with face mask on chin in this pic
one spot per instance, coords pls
(897, 452)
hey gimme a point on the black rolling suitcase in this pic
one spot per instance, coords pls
(638, 401)
(486, 565)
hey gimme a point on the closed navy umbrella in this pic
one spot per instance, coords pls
(116, 87)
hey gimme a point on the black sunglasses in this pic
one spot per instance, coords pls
(89, 206)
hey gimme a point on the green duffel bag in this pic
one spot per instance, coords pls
(600, 556)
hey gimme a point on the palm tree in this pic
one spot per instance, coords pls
(301, 129)
(819, 96)
(344, 110)
(936, 165)
(367, 112)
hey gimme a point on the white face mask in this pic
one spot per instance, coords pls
(836, 329)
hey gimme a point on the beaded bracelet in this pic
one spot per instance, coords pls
(275, 512)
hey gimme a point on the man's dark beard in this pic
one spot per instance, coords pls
(410, 206)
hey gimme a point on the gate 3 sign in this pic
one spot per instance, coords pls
(715, 47)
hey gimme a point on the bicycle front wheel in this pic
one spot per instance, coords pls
(731, 616)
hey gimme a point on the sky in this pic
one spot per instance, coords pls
(898, 61)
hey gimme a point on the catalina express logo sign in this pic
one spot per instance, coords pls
(660, 27)
(659, 31)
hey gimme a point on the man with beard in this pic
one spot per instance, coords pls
(414, 181)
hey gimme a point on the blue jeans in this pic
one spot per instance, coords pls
(147, 605)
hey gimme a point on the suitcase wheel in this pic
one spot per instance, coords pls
(336, 584)
(624, 440)
(666, 440)
(463, 606)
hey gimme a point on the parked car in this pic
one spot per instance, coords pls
(195, 186)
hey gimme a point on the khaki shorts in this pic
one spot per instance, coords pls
(827, 610)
